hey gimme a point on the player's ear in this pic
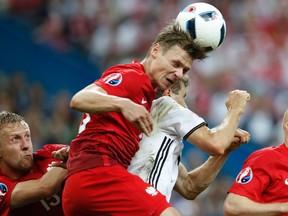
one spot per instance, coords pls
(285, 126)
(155, 49)
(167, 92)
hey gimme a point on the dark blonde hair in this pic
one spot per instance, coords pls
(175, 87)
(172, 35)
(8, 117)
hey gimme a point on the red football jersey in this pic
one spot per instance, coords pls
(264, 176)
(110, 134)
(47, 207)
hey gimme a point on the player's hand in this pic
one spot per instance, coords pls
(139, 116)
(237, 100)
(62, 155)
(241, 137)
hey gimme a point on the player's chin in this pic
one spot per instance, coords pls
(27, 163)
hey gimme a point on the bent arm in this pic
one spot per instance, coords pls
(94, 99)
(31, 191)
(216, 140)
(242, 206)
(191, 184)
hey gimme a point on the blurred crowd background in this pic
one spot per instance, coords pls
(52, 48)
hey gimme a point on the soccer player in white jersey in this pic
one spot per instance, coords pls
(158, 159)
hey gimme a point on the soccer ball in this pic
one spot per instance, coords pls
(205, 24)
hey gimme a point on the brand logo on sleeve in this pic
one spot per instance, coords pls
(113, 79)
(245, 176)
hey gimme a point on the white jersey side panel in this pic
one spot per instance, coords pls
(157, 160)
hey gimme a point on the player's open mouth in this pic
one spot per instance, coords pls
(170, 81)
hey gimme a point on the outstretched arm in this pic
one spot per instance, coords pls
(32, 191)
(191, 184)
(242, 206)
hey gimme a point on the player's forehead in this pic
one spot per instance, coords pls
(176, 53)
(15, 128)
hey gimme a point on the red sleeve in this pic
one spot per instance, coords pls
(118, 83)
(254, 177)
(47, 150)
(6, 187)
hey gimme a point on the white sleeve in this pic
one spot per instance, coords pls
(180, 120)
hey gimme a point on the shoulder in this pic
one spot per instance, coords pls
(267, 155)
(271, 150)
(7, 185)
(132, 69)
(126, 79)
(165, 104)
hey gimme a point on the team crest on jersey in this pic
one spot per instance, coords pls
(151, 190)
(113, 79)
(3, 191)
(245, 176)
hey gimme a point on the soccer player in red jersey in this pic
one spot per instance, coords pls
(115, 112)
(28, 183)
(261, 187)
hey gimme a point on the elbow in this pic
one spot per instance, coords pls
(73, 103)
(191, 194)
(216, 149)
(76, 103)
(230, 209)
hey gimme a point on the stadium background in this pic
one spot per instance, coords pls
(51, 49)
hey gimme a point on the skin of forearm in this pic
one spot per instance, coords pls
(223, 134)
(197, 180)
(91, 101)
(31, 191)
(52, 180)
(242, 206)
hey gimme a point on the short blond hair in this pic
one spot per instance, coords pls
(175, 87)
(8, 117)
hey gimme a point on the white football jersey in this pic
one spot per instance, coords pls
(157, 160)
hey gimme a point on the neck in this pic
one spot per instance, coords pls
(12, 173)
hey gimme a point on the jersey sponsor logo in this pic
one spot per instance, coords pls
(151, 190)
(113, 79)
(245, 176)
(3, 191)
